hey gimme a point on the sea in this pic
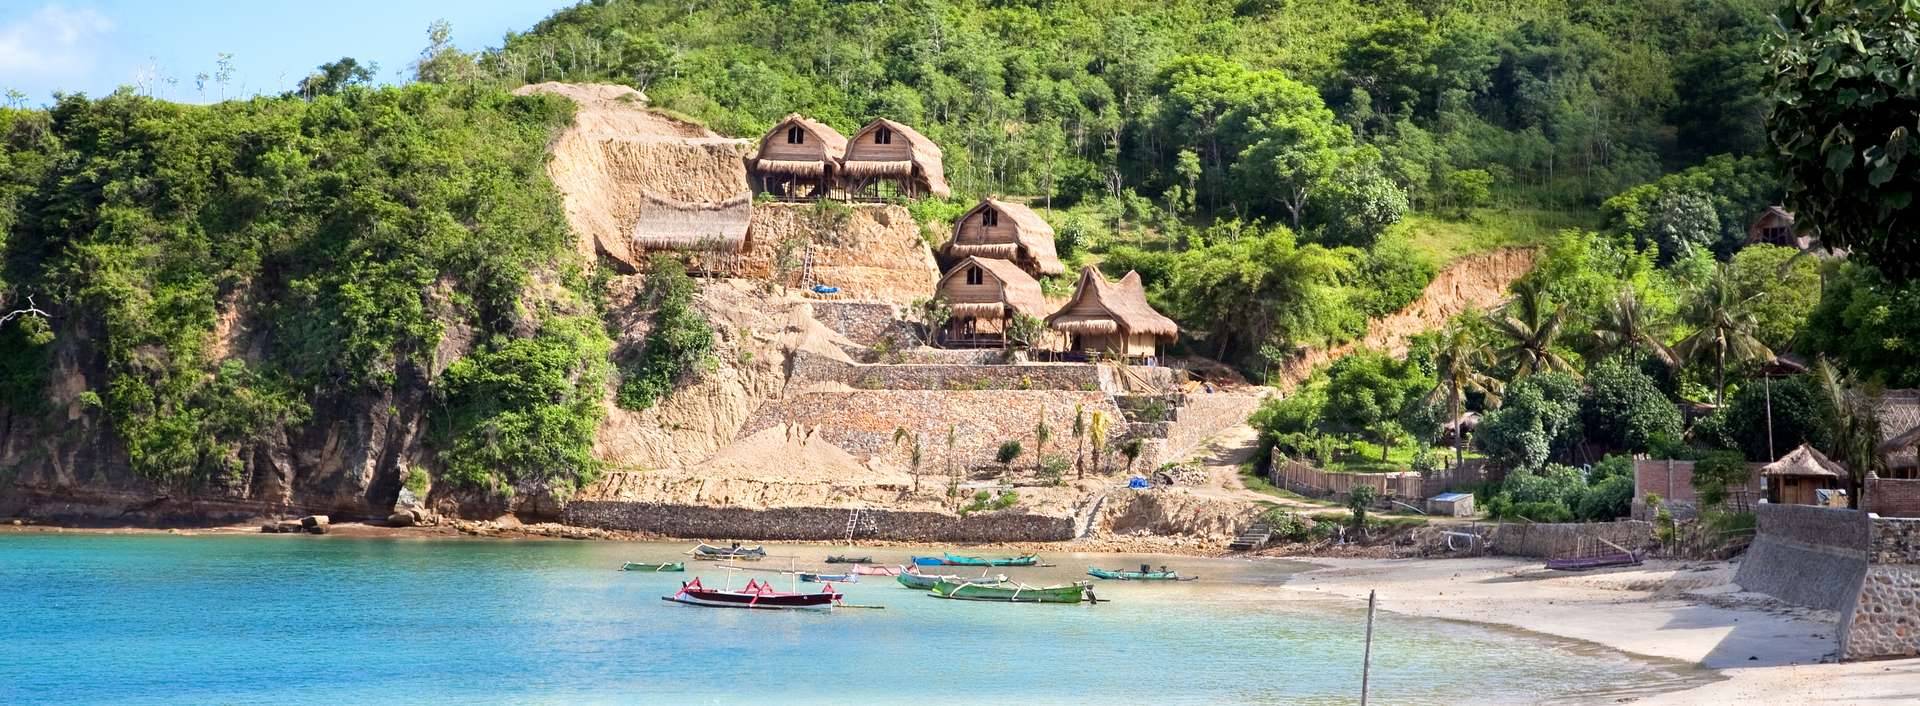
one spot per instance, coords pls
(90, 618)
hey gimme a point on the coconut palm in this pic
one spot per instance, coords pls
(1627, 325)
(1097, 437)
(1531, 324)
(901, 435)
(1854, 427)
(1724, 317)
(1459, 363)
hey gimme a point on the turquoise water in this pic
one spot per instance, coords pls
(291, 619)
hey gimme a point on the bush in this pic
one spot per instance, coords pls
(1609, 499)
(680, 340)
(1537, 421)
(1715, 474)
(1624, 410)
(526, 409)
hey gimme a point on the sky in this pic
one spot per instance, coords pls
(95, 46)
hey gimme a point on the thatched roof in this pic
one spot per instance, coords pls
(1899, 413)
(1100, 307)
(664, 224)
(1804, 461)
(927, 159)
(1030, 232)
(1017, 289)
(834, 143)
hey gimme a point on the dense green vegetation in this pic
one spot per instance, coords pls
(357, 226)
(680, 341)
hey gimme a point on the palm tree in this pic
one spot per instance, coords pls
(900, 434)
(1627, 325)
(1531, 324)
(1854, 427)
(1458, 362)
(1097, 435)
(1041, 435)
(1080, 439)
(1726, 326)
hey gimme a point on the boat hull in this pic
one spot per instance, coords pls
(951, 560)
(1138, 575)
(653, 567)
(924, 581)
(1073, 593)
(849, 560)
(714, 599)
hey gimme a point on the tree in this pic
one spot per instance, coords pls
(333, 77)
(1854, 427)
(1358, 499)
(1716, 473)
(933, 314)
(1538, 419)
(1725, 327)
(1131, 449)
(1842, 114)
(1791, 411)
(953, 472)
(1024, 331)
(1041, 435)
(1681, 221)
(1623, 409)
(1079, 432)
(1368, 391)
(1097, 437)
(1459, 363)
(1357, 208)
(1626, 325)
(1531, 324)
(1468, 189)
(1009, 451)
(441, 62)
(900, 434)
(1783, 287)
(1871, 323)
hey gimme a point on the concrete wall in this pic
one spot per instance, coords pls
(1810, 556)
(795, 524)
(1567, 538)
(1893, 497)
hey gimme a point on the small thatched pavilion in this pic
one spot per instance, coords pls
(1798, 477)
(1899, 414)
(1112, 317)
(798, 159)
(886, 158)
(665, 224)
(1007, 231)
(984, 294)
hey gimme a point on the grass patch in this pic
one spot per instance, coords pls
(1444, 240)
(1259, 484)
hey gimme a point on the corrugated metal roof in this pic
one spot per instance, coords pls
(1451, 497)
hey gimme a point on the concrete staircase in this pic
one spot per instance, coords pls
(1254, 538)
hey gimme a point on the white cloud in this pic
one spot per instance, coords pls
(53, 39)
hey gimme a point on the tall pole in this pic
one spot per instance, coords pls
(1366, 662)
(1767, 384)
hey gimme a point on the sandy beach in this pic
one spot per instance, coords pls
(1768, 651)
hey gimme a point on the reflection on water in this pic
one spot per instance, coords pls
(160, 619)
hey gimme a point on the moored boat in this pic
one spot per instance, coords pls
(1146, 573)
(709, 552)
(654, 566)
(914, 579)
(871, 570)
(1633, 558)
(757, 594)
(955, 560)
(1014, 593)
(810, 577)
(837, 559)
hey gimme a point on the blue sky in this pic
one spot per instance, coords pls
(93, 46)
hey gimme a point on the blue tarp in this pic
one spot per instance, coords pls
(824, 289)
(1138, 483)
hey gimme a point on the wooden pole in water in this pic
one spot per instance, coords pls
(1366, 662)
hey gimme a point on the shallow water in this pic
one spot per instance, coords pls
(279, 619)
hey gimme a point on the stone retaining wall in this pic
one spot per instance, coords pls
(864, 322)
(806, 523)
(1884, 619)
(1567, 538)
(1085, 377)
(1806, 555)
(862, 421)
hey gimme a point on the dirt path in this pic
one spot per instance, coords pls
(1222, 458)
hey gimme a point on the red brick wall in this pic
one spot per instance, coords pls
(1890, 497)
(1653, 476)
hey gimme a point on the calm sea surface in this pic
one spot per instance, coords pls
(294, 619)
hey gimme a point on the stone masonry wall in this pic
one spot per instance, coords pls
(808, 367)
(1884, 619)
(799, 524)
(864, 322)
(1566, 538)
(862, 421)
(1810, 556)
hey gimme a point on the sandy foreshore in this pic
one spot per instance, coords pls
(1768, 652)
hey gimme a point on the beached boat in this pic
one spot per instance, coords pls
(708, 552)
(654, 566)
(1144, 574)
(837, 559)
(810, 577)
(952, 560)
(871, 570)
(916, 580)
(1584, 563)
(1014, 593)
(757, 594)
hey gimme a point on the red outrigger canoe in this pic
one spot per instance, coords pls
(757, 594)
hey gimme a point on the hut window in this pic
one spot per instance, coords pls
(883, 136)
(990, 218)
(974, 276)
(796, 136)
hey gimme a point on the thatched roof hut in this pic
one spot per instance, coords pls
(886, 150)
(1798, 476)
(1899, 415)
(988, 288)
(798, 158)
(1008, 231)
(1113, 317)
(665, 224)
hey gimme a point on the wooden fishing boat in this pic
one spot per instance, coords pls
(708, 552)
(810, 577)
(757, 595)
(837, 559)
(953, 560)
(1014, 593)
(1144, 574)
(1583, 563)
(654, 566)
(871, 570)
(917, 580)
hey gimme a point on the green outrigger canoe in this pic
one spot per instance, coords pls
(925, 581)
(654, 566)
(1017, 593)
(1163, 574)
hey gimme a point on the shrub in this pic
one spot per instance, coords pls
(1623, 409)
(680, 340)
(1716, 473)
(1053, 468)
(1608, 499)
